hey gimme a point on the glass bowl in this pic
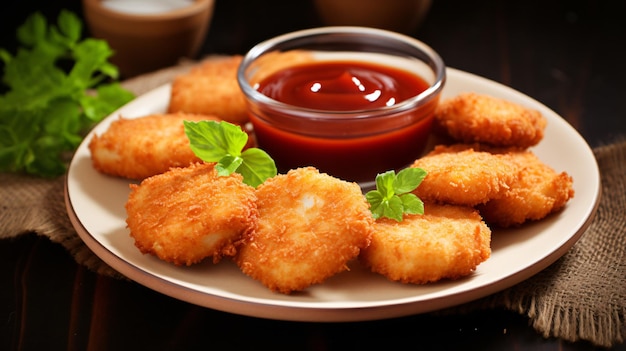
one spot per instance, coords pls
(351, 143)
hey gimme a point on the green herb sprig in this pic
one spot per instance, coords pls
(393, 198)
(57, 87)
(224, 143)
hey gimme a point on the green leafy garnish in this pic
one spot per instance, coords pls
(223, 142)
(57, 87)
(392, 197)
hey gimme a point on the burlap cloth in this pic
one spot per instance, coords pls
(582, 296)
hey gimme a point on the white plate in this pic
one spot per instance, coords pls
(95, 204)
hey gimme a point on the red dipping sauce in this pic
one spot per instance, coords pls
(346, 140)
(342, 86)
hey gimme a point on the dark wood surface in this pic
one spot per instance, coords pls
(568, 55)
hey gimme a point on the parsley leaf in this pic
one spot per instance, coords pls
(393, 198)
(56, 90)
(223, 142)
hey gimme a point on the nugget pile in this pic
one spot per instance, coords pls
(487, 164)
(300, 228)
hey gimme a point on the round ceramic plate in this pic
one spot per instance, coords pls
(95, 204)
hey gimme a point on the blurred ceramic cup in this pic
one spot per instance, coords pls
(402, 16)
(147, 35)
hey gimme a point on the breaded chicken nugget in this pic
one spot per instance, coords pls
(188, 214)
(538, 191)
(211, 88)
(310, 225)
(463, 176)
(446, 242)
(471, 117)
(142, 147)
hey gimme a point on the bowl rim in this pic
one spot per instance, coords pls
(195, 7)
(420, 99)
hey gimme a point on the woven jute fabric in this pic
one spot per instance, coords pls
(582, 296)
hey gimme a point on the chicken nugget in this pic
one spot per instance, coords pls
(538, 191)
(460, 175)
(142, 147)
(211, 88)
(188, 214)
(446, 242)
(471, 117)
(310, 225)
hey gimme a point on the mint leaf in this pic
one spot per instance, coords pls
(256, 167)
(408, 180)
(228, 164)
(392, 197)
(211, 141)
(223, 143)
(411, 204)
(393, 208)
(375, 199)
(384, 184)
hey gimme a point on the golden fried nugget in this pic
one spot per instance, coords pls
(538, 191)
(188, 214)
(446, 242)
(471, 117)
(211, 88)
(142, 147)
(462, 176)
(310, 225)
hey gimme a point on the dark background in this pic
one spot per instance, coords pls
(573, 52)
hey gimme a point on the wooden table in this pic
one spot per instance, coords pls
(566, 54)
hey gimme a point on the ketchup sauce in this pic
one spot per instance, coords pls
(346, 142)
(342, 86)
